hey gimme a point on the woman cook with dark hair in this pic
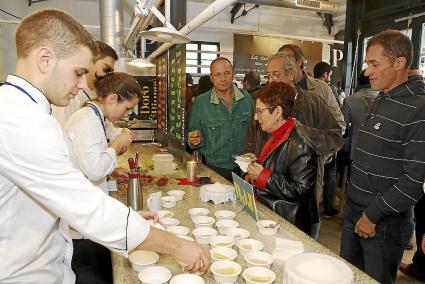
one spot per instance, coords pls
(285, 172)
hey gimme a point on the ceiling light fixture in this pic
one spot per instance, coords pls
(168, 32)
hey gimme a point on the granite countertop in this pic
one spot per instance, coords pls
(122, 271)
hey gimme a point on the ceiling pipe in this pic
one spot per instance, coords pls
(210, 12)
(138, 25)
(111, 24)
(325, 6)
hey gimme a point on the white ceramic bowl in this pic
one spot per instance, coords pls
(222, 253)
(155, 275)
(179, 194)
(178, 230)
(187, 278)
(224, 214)
(225, 271)
(187, 238)
(258, 258)
(222, 241)
(247, 245)
(225, 225)
(168, 201)
(193, 212)
(141, 259)
(168, 222)
(258, 275)
(164, 214)
(238, 233)
(203, 235)
(268, 227)
(203, 221)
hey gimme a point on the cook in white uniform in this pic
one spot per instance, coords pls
(86, 137)
(103, 64)
(40, 191)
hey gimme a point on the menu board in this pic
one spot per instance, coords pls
(177, 89)
(244, 63)
(161, 77)
(148, 104)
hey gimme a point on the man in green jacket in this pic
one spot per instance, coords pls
(219, 120)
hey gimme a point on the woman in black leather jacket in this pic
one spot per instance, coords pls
(285, 173)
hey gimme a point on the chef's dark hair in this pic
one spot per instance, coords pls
(278, 94)
(122, 84)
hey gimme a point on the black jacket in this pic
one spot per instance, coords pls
(290, 187)
(389, 160)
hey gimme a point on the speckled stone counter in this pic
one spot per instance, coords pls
(122, 271)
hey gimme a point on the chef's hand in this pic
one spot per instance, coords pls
(122, 140)
(423, 243)
(254, 170)
(196, 257)
(119, 173)
(195, 137)
(147, 215)
(122, 150)
(364, 227)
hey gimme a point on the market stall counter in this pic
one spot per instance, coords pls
(279, 243)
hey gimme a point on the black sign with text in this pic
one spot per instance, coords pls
(148, 104)
(244, 63)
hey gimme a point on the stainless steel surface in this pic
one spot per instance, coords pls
(134, 194)
(122, 270)
(111, 24)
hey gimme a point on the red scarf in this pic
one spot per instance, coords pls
(278, 137)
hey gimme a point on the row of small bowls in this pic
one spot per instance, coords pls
(226, 271)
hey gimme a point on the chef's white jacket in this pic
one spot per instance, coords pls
(88, 147)
(62, 114)
(41, 193)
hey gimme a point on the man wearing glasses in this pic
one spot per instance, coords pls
(219, 120)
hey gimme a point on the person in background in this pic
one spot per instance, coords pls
(42, 194)
(103, 63)
(219, 120)
(85, 136)
(322, 71)
(416, 269)
(285, 173)
(355, 110)
(388, 161)
(323, 90)
(308, 83)
(319, 126)
(251, 83)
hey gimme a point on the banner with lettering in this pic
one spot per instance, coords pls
(148, 104)
(177, 89)
(161, 77)
(245, 194)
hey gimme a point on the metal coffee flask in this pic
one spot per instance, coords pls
(134, 192)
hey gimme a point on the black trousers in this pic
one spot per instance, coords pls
(91, 263)
(419, 257)
(381, 255)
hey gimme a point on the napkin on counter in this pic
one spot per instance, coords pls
(286, 248)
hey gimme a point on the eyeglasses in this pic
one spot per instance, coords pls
(276, 75)
(259, 111)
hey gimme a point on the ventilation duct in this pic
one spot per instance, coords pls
(314, 5)
(111, 24)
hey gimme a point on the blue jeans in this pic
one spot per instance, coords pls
(379, 256)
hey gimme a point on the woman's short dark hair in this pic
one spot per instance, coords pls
(122, 84)
(278, 94)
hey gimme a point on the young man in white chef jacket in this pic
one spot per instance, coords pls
(41, 194)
